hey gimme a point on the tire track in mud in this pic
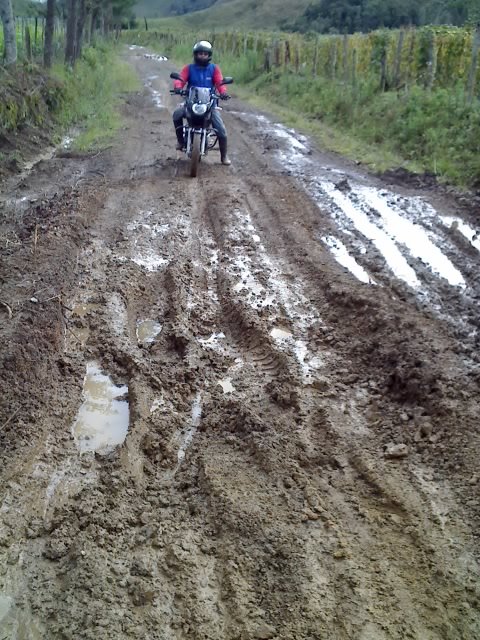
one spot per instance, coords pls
(266, 511)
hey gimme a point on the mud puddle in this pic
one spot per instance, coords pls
(226, 385)
(147, 331)
(103, 419)
(84, 308)
(403, 230)
(192, 428)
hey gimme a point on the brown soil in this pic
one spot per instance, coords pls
(285, 508)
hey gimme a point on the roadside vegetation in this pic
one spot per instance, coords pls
(45, 89)
(406, 97)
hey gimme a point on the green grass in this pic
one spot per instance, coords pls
(93, 93)
(436, 131)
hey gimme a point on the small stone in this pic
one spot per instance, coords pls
(34, 300)
(142, 597)
(426, 428)
(473, 480)
(144, 518)
(265, 632)
(395, 451)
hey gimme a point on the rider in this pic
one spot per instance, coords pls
(202, 73)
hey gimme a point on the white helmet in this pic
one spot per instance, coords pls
(202, 47)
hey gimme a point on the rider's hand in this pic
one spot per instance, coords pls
(177, 91)
(225, 96)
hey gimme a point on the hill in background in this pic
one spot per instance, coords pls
(322, 16)
(260, 14)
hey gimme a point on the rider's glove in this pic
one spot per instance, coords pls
(225, 96)
(177, 91)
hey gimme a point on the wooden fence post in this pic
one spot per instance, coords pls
(267, 64)
(315, 58)
(276, 53)
(345, 57)
(287, 54)
(383, 69)
(297, 58)
(411, 52)
(354, 68)
(333, 62)
(398, 59)
(432, 62)
(472, 74)
(28, 43)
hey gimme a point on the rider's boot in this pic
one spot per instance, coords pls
(222, 143)
(180, 140)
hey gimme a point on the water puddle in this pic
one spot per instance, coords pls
(157, 99)
(192, 428)
(253, 289)
(147, 331)
(103, 419)
(150, 261)
(118, 314)
(466, 230)
(155, 56)
(342, 256)
(412, 235)
(67, 142)
(213, 341)
(280, 334)
(83, 308)
(226, 385)
(385, 245)
(5, 606)
(393, 224)
(158, 403)
(82, 334)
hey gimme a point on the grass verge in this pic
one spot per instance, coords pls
(93, 93)
(36, 106)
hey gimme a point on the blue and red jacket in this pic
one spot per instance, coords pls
(195, 75)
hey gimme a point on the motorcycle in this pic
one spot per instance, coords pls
(198, 134)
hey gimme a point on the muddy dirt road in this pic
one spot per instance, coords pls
(243, 406)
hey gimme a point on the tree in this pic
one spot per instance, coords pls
(71, 33)
(49, 26)
(8, 22)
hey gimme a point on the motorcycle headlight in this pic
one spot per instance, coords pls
(199, 109)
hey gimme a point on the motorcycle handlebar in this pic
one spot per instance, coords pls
(184, 93)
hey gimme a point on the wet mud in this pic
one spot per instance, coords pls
(242, 406)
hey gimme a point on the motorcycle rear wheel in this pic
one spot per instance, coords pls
(195, 159)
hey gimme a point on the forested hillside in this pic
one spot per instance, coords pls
(349, 16)
(324, 16)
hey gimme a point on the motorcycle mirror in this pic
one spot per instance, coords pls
(175, 76)
(227, 80)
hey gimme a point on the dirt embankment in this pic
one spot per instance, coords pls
(302, 386)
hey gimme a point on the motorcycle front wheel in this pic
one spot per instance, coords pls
(195, 159)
